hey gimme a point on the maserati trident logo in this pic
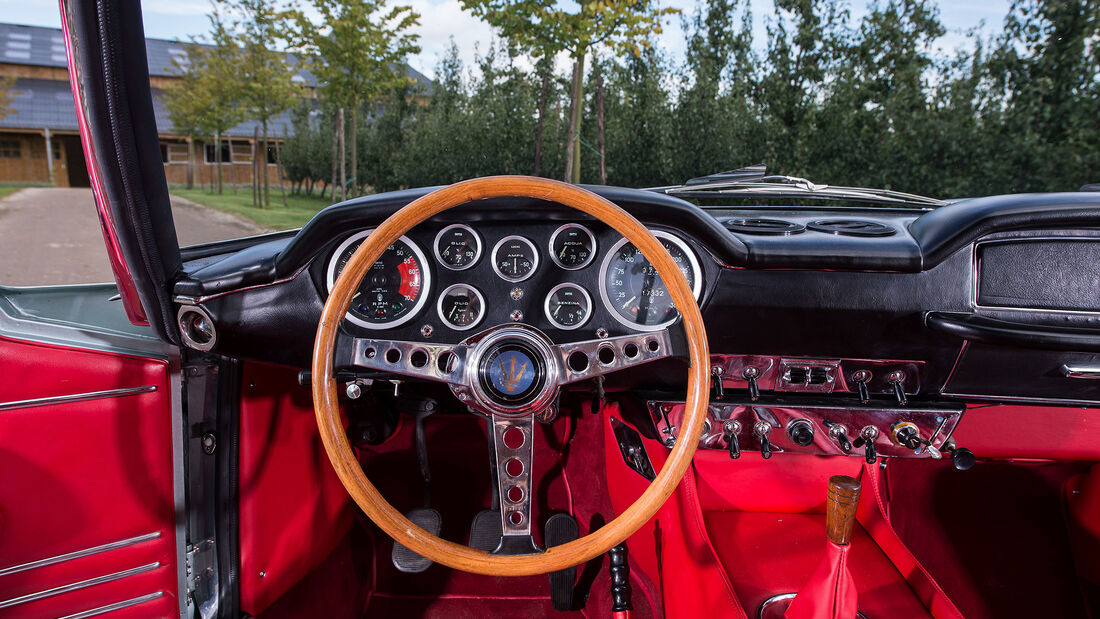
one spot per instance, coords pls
(511, 377)
(512, 372)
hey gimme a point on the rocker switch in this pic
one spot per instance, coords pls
(761, 430)
(750, 374)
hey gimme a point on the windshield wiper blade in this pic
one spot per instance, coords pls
(753, 182)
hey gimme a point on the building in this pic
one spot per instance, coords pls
(39, 140)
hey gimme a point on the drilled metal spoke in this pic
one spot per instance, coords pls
(592, 358)
(513, 441)
(439, 362)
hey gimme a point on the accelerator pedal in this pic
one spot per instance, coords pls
(561, 529)
(406, 560)
(486, 530)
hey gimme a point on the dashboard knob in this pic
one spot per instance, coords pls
(963, 459)
(801, 432)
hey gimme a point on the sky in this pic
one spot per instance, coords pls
(442, 19)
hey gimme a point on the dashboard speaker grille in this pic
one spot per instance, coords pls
(769, 227)
(851, 227)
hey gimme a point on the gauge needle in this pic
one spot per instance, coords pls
(561, 256)
(556, 310)
(356, 295)
(630, 301)
(454, 309)
(515, 265)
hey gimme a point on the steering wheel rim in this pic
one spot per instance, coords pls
(339, 450)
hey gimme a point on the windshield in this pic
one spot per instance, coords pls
(268, 110)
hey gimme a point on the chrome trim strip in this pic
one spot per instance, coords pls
(76, 554)
(77, 397)
(116, 606)
(179, 491)
(39, 595)
(1012, 399)
(1080, 371)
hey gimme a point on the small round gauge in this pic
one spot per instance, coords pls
(461, 306)
(568, 306)
(394, 288)
(515, 258)
(457, 247)
(632, 290)
(572, 247)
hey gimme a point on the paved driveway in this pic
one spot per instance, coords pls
(52, 236)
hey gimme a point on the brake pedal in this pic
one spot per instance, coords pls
(486, 530)
(406, 560)
(561, 529)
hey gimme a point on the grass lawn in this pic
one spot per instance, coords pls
(8, 188)
(7, 191)
(298, 211)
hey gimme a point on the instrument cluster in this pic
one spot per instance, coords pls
(549, 278)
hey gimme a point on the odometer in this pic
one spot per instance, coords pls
(394, 288)
(632, 290)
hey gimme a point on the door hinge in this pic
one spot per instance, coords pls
(202, 579)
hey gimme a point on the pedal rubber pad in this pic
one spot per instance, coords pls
(486, 530)
(561, 529)
(406, 560)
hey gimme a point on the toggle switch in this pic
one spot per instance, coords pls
(839, 434)
(750, 374)
(861, 378)
(731, 429)
(761, 430)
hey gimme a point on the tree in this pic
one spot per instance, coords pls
(268, 87)
(220, 86)
(547, 29)
(357, 53)
(7, 93)
(186, 102)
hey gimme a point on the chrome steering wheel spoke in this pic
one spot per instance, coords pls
(437, 362)
(512, 440)
(592, 358)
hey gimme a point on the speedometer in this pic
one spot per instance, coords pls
(394, 288)
(632, 290)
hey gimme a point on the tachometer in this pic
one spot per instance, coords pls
(632, 290)
(568, 306)
(394, 288)
(461, 306)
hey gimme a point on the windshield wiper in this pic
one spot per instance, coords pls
(753, 182)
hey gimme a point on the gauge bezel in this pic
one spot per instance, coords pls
(534, 252)
(549, 315)
(330, 280)
(477, 252)
(693, 261)
(591, 255)
(443, 317)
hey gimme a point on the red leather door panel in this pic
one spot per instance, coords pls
(86, 487)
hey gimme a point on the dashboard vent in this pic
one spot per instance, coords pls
(852, 227)
(767, 227)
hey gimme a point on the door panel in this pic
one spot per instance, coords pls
(87, 507)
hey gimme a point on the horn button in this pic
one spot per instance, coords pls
(515, 371)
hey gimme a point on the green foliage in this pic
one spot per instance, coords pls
(840, 100)
(7, 93)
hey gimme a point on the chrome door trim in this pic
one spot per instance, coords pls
(77, 554)
(77, 397)
(110, 608)
(98, 580)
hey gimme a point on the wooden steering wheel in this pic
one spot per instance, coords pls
(481, 371)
